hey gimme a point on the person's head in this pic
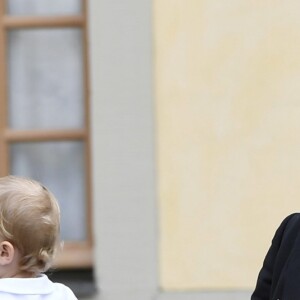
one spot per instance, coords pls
(29, 226)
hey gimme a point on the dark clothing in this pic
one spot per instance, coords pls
(279, 277)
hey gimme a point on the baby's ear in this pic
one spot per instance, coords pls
(7, 253)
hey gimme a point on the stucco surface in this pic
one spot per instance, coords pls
(228, 136)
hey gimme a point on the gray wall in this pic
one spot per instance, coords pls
(123, 148)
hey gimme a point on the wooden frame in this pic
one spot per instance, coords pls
(42, 135)
(11, 22)
(4, 159)
(75, 254)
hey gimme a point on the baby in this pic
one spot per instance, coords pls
(29, 238)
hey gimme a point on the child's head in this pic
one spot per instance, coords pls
(29, 222)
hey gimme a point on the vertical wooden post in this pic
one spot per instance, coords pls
(4, 155)
(87, 123)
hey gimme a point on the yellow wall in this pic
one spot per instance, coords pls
(227, 80)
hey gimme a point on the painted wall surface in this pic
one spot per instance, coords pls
(227, 81)
(124, 199)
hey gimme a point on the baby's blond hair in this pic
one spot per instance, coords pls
(30, 220)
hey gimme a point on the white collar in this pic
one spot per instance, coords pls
(33, 286)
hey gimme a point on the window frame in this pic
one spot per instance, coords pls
(75, 254)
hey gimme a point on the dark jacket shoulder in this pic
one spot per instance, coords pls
(270, 280)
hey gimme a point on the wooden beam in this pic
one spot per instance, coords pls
(43, 135)
(88, 161)
(14, 22)
(4, 155)
(74, 255)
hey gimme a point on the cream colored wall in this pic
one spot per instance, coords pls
(227, 84)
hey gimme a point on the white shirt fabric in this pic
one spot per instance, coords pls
(39, 288)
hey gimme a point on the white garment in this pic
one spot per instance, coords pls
(39, 288)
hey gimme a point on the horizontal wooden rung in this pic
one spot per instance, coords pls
(43, 135)
(12, 22)
(74, 255)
